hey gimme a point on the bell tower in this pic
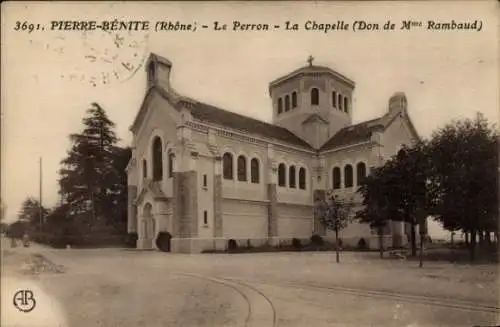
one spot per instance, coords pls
(313, 102)
(158, 71)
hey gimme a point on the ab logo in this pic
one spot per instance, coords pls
(24, 300)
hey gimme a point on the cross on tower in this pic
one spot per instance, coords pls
(310, 60)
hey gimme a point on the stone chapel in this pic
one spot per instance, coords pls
(206, 175)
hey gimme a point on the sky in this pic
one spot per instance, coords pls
(47, 75)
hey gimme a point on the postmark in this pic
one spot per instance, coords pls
(109, 57)
(96, 58)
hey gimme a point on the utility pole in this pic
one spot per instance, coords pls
(40, 197)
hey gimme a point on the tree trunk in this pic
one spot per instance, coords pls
(481, 238)
(466, 238)
(452, 239)
(422, 240)
(413, 237)
(487, 237)
(337, 255)
(472, 245)
(381, 242)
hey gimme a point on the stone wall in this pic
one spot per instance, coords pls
(272, 214)
(185, 208)
(132, 209)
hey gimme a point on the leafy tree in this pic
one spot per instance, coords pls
(3, 227)
(17, 229)
(334, 214)
(88, 179)
(412, 172)
(465, 168)
(376, 191)
(116, 208)
(30, 213)
(400, 190)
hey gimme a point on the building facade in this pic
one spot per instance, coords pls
(206, 175)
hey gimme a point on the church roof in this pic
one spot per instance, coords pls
(312, 69)
(354, 134)
(239, 122)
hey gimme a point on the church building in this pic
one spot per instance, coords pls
(206, 175)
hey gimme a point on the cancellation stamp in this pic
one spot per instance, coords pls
(97, 55)
(109, 57)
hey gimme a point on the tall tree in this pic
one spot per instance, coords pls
(334, 214)
(115, 210)
(86, 177)
(376, 192)
(399, 191)
(412, 171)
(465, 161)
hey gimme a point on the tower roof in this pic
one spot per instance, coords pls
(311, 69)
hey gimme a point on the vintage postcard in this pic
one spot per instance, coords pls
(250, 164)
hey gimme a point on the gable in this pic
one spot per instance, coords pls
(354, 134)
(315, 118)
(151, 94)
(398, 131)
(160, 118)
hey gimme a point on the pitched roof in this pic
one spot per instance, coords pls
(354, 134)
(309, 70)
(239, 122)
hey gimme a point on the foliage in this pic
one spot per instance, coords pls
(17, 229)
(131, 240)
(376, 191)
(232, 245)
(296, 243)
(362, 244)
(400, 191)
(334, 214)
(465, 171)
(317, 240)
(93, 178)
(30, 213)
(163, 241)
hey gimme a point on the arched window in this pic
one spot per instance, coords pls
(242, 168)
(280, 105)
(254, 171)
(336, 178)
(346, 104)
(227, 165)
(302, 178)
(314, 96)
(294, 99)
(144, 168)
(291, 177)
(287, 103)
(348, 176)
(171, 157)
(334, 99)
(360, 172)
(339, 101)
(157, 159)
(281, 174)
